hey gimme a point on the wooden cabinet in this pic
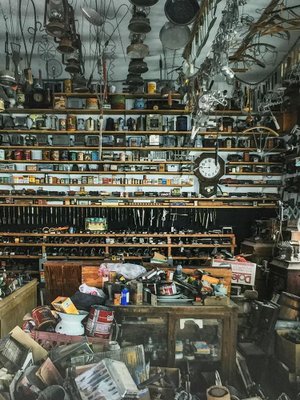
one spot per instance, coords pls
(174, 334)
(16, 305)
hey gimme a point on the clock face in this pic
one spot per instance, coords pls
(209, 168)
(38, 97)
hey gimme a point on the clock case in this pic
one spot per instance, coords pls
(208, 186)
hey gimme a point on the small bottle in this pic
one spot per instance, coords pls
(124, 297)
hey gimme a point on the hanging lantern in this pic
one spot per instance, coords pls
(65, 45)
(55, 14)
(138, 66)
(137, 49)
(139, 22)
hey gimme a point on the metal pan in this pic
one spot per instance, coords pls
(143, 3)
(174, 37)
(181, 12)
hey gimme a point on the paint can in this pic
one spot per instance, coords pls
(100, 321)
(43, 317)
(218, 393)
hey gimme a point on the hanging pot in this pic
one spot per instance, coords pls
(181, 12)
(173, 36)
(137, 66)
(143, 3)
(137, 50)
(139, 23)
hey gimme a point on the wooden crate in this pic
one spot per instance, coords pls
(90, 276)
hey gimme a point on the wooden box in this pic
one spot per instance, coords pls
(16, 305)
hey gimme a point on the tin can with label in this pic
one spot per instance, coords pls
(95, 155)
(2, 154)
(72, 155)
(68, 85)
(54, 155)
(46, 155)
(18, 154)
(80, 156)
(64, 155)
(62, 124)
(71, 122)
(27, 154)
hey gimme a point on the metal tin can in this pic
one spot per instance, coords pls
(95, 155)
(72, 155)
(80, 156)
(71, 122)
(43, 317)
(68, 85)
(54, 155)
(92, 103)
(62, 124)
(46, 155)
(64, 155)
(18, 154)
(27, 154)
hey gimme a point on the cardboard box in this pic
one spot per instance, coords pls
(136, 292)
(64, 304)
(287, 351)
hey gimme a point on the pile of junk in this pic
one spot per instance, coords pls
(70, 351)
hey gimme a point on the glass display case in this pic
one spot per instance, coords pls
(205, 336)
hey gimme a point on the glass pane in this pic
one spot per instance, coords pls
(198, 339)
(148, 331)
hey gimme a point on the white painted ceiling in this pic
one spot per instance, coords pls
(115, 29)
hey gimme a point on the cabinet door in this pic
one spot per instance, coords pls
(198, 340)
(150, 331)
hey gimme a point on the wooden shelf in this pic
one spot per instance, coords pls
(89, 235)
(138, 148)
(143, 205)
(97, 172)
(249, 185)
(255, 173)
(96, 184)
(252, 163)
(78, 111)
(126, 95)
(89, 162)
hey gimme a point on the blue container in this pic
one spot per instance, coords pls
(124, 297)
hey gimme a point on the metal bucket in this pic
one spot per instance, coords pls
(100, 322)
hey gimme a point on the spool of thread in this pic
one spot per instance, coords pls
(217, 393)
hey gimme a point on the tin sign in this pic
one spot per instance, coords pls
(243, 273)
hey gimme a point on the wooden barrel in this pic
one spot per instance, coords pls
(289, 306)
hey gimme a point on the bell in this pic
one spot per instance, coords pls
(65, 46)
(139, 23)
(137, 66)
